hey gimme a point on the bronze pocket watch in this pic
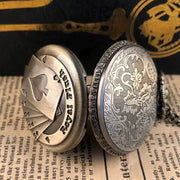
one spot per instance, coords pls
(125, 96)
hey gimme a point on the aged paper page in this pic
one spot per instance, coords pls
(159, 156)
(22, 158)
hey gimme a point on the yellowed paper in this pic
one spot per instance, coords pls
(23, 158)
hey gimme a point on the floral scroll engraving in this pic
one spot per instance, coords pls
(130, 100)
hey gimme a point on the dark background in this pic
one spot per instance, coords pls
(16, 48)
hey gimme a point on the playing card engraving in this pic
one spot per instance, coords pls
(47, 139)
(39, 86)
(42, 91)
(36, 121)
(38, 130)
(47, 89)
(58, 111)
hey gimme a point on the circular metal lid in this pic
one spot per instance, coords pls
(122, 99)
(54, 98)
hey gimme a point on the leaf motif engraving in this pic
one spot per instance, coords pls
(130, 101)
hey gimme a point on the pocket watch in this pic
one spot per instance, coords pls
(122, 102)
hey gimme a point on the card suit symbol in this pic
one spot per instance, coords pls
(30, 124)
(44, 59)
(35, 134)
(47, 139)
(58, 111)
(39, 86)
(26, 114)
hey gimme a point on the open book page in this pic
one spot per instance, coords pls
(23, 158)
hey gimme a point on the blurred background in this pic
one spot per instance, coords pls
(88, 28)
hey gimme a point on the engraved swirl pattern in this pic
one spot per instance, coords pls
(130, 100)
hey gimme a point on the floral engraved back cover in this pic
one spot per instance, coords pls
(130, 98)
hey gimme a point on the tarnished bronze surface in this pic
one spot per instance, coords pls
(123, 98)
(54, 98)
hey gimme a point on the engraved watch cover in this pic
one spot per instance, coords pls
(123, 98)
(54, 98)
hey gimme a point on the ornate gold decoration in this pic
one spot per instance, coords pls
(23, 4)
